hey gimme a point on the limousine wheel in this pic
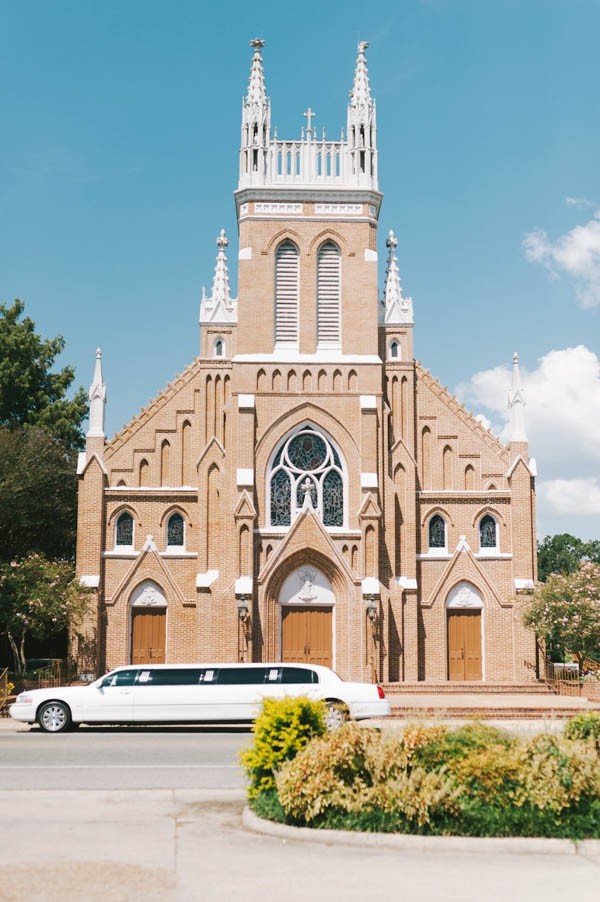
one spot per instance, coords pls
(336, 714)
(54, 717)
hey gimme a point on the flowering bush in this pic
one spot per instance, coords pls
(565, 610)
(38, 597)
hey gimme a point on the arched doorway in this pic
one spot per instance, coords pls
(464, 607)
(306, 602)
(148, 624)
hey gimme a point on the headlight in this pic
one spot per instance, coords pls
(23, 700)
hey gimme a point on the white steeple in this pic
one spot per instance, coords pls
(360, 95)
(362, 127)
(219, 307)
(312, 160)
(398, 309)
(97, 398)
(256, 122)
(516, 403)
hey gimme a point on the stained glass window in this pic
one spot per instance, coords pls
(307, 466)
(280, 499)
(333, 499)
(124, 531)
(487, 532)
(437, 532)
(175, 530)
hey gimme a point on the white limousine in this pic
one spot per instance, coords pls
(195, 693)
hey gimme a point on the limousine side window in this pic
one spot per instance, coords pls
(177, 676)
(290, 675)
(240, 676)
(120, 678)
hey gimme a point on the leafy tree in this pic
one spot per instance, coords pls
(38, 598)
(38, 494)
(564, 553)
(565, 611)
(30, 394)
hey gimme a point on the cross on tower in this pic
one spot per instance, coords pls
(310, 115)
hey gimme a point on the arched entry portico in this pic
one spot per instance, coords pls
(307, 605)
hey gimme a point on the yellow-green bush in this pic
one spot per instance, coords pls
(472, 781)
(353, 770)
(283, 727)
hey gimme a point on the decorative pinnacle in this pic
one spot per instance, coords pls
(256, 85)
(220, 287)
(360, 94)
(516, 403)
(393, 289)
(398, 309)
(97, 398)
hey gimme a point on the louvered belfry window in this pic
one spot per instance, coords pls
(328, 295)
(286, 294)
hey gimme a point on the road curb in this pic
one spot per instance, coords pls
(410, 843)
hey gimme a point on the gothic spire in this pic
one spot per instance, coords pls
(398, 309)
(256, 86)
(97, 398)
(360, 95)
(516, 403)
(220, 286)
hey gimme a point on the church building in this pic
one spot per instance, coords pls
(305, 490)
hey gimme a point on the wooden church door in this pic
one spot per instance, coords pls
(148, 635)
(464, 645)
(306, 635)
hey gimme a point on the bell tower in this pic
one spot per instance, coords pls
(307, 213)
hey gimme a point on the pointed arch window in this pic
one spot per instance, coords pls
(395, 350)
(329, 295)
(287, 293)
(306, 469)
(488, 533)
(124, 531)
(437, 533)
(175, 531)
(219, 348)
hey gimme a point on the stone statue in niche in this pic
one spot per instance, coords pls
(307, 578)
(148, 595)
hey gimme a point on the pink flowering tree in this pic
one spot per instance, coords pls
(565, 611)
(39, 598)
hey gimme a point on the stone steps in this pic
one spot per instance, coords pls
(482, 713)
(455, 688)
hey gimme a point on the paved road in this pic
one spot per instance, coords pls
(121, 758)
(88, 838)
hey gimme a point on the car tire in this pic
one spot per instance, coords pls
(54, 717)
(336, 715)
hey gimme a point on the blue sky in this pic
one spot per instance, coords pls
(118, 160)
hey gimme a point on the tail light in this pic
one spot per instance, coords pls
(380, 692)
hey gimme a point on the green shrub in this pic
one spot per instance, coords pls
(474, 781)
(360, 772)
(283, 727)
(453, 745)
(584, 726)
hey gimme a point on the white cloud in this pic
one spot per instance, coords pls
(562, 421)
(577, 253)
(571, 496)
(580, 202)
